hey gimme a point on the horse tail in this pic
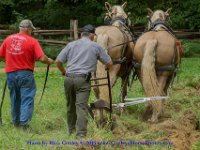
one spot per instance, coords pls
(102, 40)
(149, 78)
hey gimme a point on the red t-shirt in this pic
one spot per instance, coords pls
(20, 52)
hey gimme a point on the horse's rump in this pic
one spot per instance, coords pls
(115, 36)
(116, 42)
(119, 45)
(165, 48)
(156, 49)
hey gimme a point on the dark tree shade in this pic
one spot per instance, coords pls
(57, 13)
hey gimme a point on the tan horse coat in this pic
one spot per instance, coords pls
(156, 48)
(109, 37)
(113, 37)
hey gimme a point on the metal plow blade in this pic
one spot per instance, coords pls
(146, 98)
(133, 101)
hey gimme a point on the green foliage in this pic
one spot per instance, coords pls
(6, 11)
(52, 51)
(57, 13)
(19, 17)
(6, 2)
(191, 49)
(183, 17)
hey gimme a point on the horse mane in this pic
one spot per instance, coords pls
(157, 15)
(116, 15)
(118, 11)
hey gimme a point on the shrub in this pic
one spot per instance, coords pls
(191, 49)
(52, 51)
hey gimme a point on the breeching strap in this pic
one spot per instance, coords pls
(45, 82)
(2, 99)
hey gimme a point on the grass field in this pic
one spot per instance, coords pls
(49, 127)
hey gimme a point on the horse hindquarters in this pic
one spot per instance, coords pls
(149, 79)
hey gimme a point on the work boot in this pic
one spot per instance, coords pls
(25, 127)
(80, 136)
(71, 131)
(16, 125)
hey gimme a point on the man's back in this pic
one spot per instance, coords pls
(82, 55)
(20, 52)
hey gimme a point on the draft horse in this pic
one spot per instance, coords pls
(156, 57)
(117, 40)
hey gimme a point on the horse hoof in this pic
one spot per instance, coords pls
(153, 120)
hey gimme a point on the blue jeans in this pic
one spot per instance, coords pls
(22, 92)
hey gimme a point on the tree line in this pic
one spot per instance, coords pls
(55, 14)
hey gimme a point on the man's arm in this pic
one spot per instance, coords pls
(60, 67)
(44, 59)
(109, 65)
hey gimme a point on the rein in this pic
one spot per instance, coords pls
(45, 82)
(126, 37)
(121, 44)
(2, 100)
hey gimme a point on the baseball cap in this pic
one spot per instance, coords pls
(26, 24)
(89, 28)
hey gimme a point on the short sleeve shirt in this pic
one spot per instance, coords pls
(20, 52)
(81, 56)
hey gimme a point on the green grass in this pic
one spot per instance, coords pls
(49, 119)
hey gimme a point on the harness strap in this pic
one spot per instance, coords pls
(121, 18)
(121, 44)
(171, 67)
(125, 45)
(162, 23)
(121, 61)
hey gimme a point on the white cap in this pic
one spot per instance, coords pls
(26, 24)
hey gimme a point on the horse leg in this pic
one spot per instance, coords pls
(158, 111)
(148, 107)
(113, 74)
(96, 91)
(101, 115)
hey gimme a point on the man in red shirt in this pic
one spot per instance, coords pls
(20, 51)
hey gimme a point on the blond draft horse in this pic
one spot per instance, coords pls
(117, 40)
(157, 53)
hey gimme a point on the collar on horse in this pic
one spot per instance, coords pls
(160, 23)
(121, 19)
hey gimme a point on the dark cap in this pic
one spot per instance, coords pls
(89, 28)
(26, 24)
